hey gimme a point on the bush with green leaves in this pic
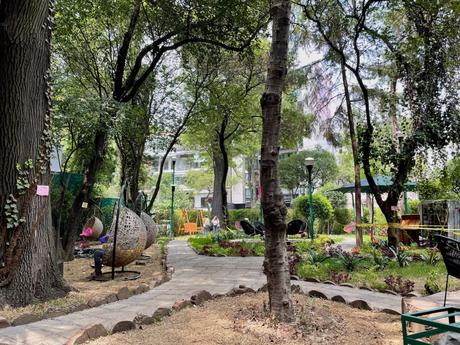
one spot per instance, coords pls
(380, 261)
(349, 261)
(228, 234)
(252, 214)
(399, 285)
(432, 283)
(342, 217)
(413, 206)
(315, 257)
(431, 256)
(322, 207)
(401, 256)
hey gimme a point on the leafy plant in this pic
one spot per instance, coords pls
(339, 277)
(431, 257)
(334, 251)
(432, 283)
(349, 261)
(322, 207)
(399, 285)
(380, 261)
(315, 257)
(400, 256)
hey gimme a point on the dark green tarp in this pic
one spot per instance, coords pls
(384, 183)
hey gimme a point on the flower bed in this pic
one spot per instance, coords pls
(401, 271)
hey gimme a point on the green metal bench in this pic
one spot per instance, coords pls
(431, 320)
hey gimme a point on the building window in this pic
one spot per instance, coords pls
(204, 202)
(248, 193)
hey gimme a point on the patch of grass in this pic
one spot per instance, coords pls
(337, 238)
(162, 242)
(368, 274)
(42, 308)
(214, 245)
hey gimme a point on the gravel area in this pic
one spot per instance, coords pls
(243, 320)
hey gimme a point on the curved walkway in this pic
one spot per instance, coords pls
(217, 275)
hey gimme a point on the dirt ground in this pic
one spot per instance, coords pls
(243, 321)
(77, 275)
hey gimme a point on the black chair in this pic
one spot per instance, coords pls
(248, 228)
(260, 228)
(296, 226)
(450, 251)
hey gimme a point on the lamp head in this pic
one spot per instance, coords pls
(309, 162)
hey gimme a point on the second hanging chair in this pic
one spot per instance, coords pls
(131, 239)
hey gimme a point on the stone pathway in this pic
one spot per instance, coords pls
(348, 243)
(217, 275)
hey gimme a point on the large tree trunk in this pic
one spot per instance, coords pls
(355, 152)
(73, 220)
(392, 113)
(29, 267)
(160, 175)
(131, 163)
(219, 195)
(275, 264)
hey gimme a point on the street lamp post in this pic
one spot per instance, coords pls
(173, 189)
(309, 163)
(401, 151)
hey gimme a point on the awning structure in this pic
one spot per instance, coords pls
(384, 183)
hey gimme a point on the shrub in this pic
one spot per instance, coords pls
(349, 261)
(106, 217)
(413, 206)
(227, 234)
(252, 214)
(399, 285)
(401, 256)
(322, 207)
(342, 217)
(432, 283)
(334, 251)
(379, 260)
(431, 257)
(305, 270)
(315, 257)
(339, 277)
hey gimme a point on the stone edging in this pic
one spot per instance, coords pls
(329, 282)
(96, 301)
(198, 298)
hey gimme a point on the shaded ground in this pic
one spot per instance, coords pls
(77, 275)
(243, 320)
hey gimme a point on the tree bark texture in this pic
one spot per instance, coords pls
(71, 231)
(29, 266)
(160, 174)
(219, 204)
(355, 152)
(131, 163)
(275, 263)
(393, 113)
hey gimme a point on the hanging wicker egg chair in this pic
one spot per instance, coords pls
(131, 239)
(96, 225)
(151, 229)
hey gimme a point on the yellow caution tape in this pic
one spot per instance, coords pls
(408, 227)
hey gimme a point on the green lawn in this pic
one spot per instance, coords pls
(368, 274)
(315, 260)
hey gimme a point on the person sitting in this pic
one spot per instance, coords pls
(215, 224)
(98, 253)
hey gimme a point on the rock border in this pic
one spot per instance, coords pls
(199, 298)
(96, 301)
(355, 303)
